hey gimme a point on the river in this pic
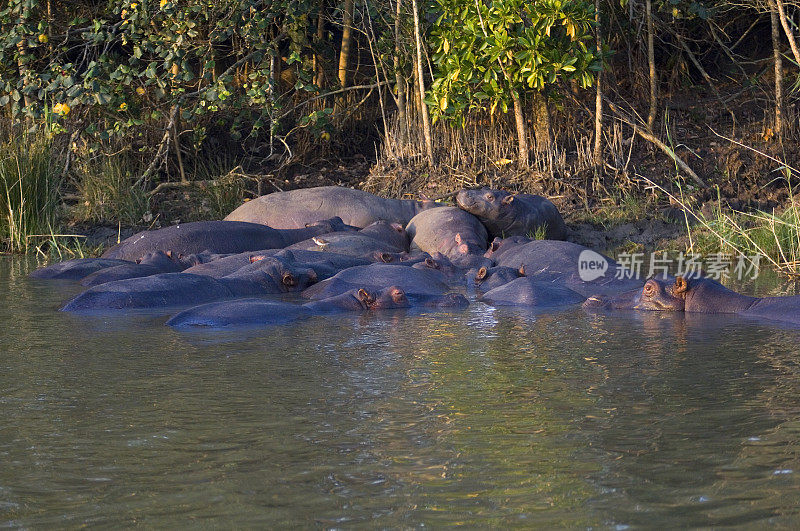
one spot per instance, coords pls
(482, 417)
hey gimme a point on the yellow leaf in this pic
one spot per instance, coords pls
(443, 103)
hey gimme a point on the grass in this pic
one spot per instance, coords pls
(108, 194)
(29, 188)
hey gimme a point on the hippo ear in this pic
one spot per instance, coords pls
(680, 287)
(386, 258)
(521, 270)
(397, 227)
(494, 245)
(138, 260)
(288, 279)
(365, 297)
(169, 255)
(458, 238)
(508, 199)
(482, 272)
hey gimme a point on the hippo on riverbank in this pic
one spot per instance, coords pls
(505, 214)
(216, 237)
(296, 208)
(700, 295)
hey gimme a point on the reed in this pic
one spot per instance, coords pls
(29, 188)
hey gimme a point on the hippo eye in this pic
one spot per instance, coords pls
(648, 289)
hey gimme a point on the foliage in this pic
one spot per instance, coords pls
(130, 63)
(485, 51)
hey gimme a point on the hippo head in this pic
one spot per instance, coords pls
(389, 298)
(297, 279)
(656, 294)
(334, 224)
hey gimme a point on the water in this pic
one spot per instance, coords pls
(484, 417)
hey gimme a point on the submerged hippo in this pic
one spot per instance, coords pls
(296, 208)
(415, 283)
(77, 269)
(524, 291)
(700, 295)
(560, 262)
(259, 312)
(185, 289)
(216, 237)
(505, 214)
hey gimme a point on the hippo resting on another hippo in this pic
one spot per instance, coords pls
(506, 214)
(216, 237)
(378, 237)
(700, 295)
(296, 208)
(456, 234)
(324, 264)
(267, 276)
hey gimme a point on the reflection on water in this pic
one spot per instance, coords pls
(489, 417)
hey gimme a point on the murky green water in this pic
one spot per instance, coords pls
(484, 417)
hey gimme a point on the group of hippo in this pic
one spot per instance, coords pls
(347, 250)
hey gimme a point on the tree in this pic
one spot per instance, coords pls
(488, 56)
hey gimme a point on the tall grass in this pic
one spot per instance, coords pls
(108, 193)
(29, 186)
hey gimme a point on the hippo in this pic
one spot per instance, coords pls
(487, 278)
(185, 289)
(216, 237)
(296, 208)
(252, 312)
(76, 269)
(525, 291)
(378, 237)
(505, 214)
(248, 312)
(417, 284)
(442, 264)
(324, 264)
(500, 246)
(558, 261)
(700, 295)
(456, 234)
(151, 264)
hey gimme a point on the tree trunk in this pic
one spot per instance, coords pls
(319, 36)
(788, 31)
(426, 124)
(776, 51)
(541, 122)
(344, 55)
(522, 131)
(597, 152)
(400, 82)
(651, 61)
